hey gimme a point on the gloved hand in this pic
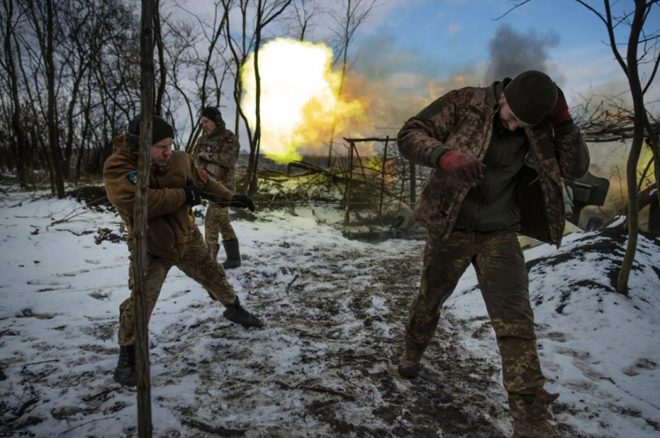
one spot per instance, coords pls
(559, 113)
(466, 167)
(242, 201)
(193, 195)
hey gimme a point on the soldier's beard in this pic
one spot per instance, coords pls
(161, 163)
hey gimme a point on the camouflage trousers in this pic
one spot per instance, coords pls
(197, 263)
(502, 275)
(217, 223)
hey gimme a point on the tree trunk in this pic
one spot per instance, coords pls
(239, 57)
(256, 139)
(29, 146)
(145, 427)
(20, 150)
(68, 148)
(349, 183)
(344, 65)
(162, 69)
(636, 147)
(53, 134)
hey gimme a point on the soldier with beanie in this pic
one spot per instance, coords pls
(173, 239)
(499, 156)
(216, 152)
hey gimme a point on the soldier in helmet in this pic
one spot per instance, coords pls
(500, 155)
(173, 239)
(216, 152)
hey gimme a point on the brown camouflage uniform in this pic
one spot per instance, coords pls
(198, 264)
(506, 297)
(463, 120)
(173, 239)
(217, 154)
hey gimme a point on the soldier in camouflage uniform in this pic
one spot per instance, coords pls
(499, 155)
(216, 152)
(173, 239)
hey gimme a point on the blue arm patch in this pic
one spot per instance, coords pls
(132, 176)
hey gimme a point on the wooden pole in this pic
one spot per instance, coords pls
(347, 194)
(145, 428)
(382, 176)
(359, 160)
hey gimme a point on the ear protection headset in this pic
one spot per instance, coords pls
(133, 133)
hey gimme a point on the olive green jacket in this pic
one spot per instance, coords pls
(462, 120)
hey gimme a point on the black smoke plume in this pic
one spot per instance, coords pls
(512, 52)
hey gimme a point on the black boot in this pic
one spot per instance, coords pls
(233, 254)
(125, 372)
(236, 313)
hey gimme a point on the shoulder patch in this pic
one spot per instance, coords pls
(205, 175)
(132, 176)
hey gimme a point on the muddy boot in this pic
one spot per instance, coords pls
(236, 313)
(214, 248)
(233, 254)
(125, 372)
(409, 364)
(531, 415)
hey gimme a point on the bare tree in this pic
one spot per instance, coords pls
(210, 68)
(162, 68)
(649, 44)
(239, 49)
(302, 17)
(81, 25)
(20, 151)
(354, 13)
(265, 12)
(53, 134)
(70, 64)
(40, 12)
(145, 427)
(637, 38)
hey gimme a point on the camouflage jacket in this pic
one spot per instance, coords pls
(171, 225)
(462, 120)
(217, 153)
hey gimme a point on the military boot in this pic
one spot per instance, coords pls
(233, 254)
(409, 366)
(531, 415)
(125, 372)
(236, 313)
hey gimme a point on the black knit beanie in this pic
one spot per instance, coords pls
(161, 129)
(212, 113)
(531, 96)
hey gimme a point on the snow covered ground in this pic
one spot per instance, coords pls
(325, 365)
